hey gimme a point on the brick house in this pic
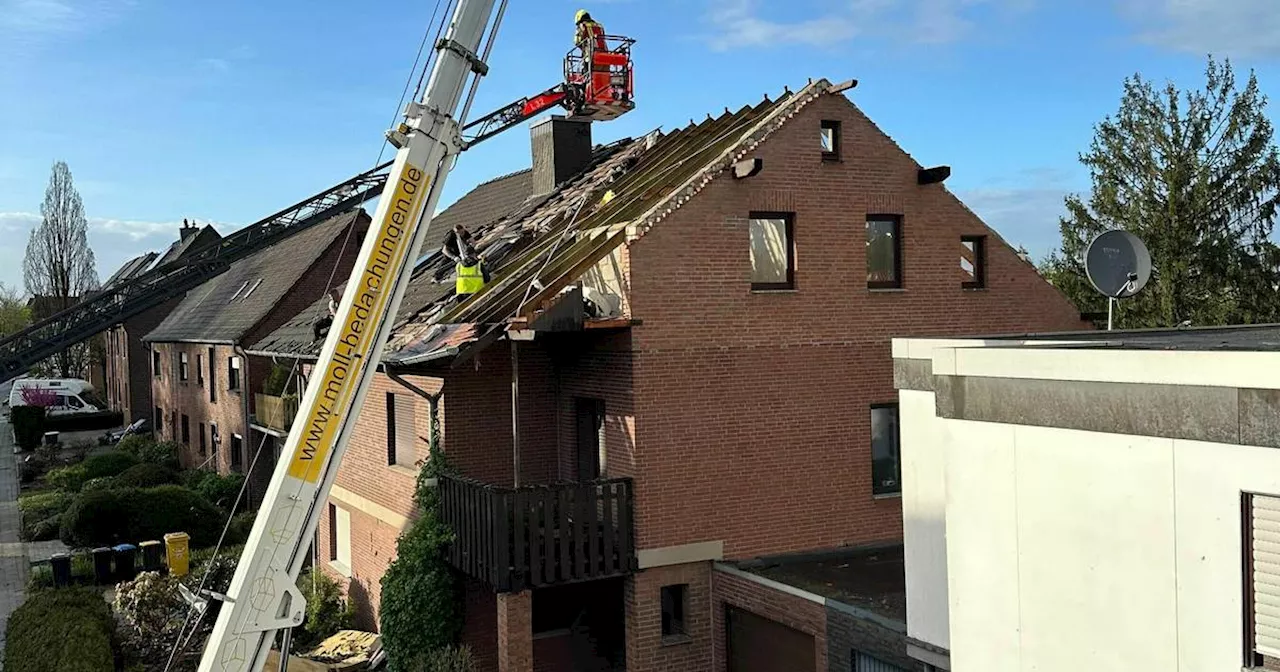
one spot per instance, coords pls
(127, 359)
(205, 386)
(678, 389)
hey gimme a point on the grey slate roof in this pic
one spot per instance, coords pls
(131, 269)
(487, 203)
(182, 246)
(208, 314)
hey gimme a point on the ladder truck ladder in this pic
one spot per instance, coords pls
(111, 306)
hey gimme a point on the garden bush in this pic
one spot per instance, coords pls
(151, 613)
(241, 526)
(70, 479)
(41, 514)
(447, 659)
(146, 475)
(219, 490)
(113, 463)
(66, 630)
(327, 610)
(94, 484)
(132, 515)
(28, 425)
(150, 451)
(421, 593)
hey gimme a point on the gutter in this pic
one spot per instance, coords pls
(245, 385)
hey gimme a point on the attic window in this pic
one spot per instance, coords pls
(255, 286)
(973, 261)
(830, 140)
(238, 291)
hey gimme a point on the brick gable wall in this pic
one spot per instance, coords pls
(752, 409)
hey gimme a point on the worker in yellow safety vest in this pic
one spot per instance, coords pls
(468, 266)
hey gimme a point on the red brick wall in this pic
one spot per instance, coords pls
(753, 408)
(373, 546)
(128, 363)
(789, 610)
(191, 397)
(646, 650)
(480, 625)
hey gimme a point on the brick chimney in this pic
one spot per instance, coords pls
(187, 230)
(561, 150)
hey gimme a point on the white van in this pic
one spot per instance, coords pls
(70, 395)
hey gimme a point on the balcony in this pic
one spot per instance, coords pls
(275, 412)
(541, 535)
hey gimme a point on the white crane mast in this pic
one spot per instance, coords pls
(263, 597)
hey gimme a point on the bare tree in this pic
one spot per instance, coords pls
(59, 268)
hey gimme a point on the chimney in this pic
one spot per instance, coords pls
(187, 230)
(561, 150)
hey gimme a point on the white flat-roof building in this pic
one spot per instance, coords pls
(1095, 501)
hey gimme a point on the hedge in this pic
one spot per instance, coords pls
(146, 475)
(42, 513)
(132, 515)
(113, 463)
(70, 479)
(219, 490)
(148, 450)
(84, 422)
(66, 630)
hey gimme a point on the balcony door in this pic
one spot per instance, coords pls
(590, 438)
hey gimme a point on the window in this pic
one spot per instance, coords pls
(401, 424)
(251, 288)
(673, 608)
(863, 662)
(183, 372)
(340, 538)
(213, 377)
(830, 140)
(590, 438)
(772, 251)
(885, 467)
(237, 453)
(238, 292)
(186, 429)
(155, 363)
(1260, 516)
(204, 446)
(200, 370)
(74, 402)
(973, 261)
(884, 251)
(233, 374)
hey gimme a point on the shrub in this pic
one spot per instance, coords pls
(219, 569)
(149, 451)
(70, 479)
(28, 425)
(277, 380)
(447, 659)
(41, 513)
(241, 526)
(109, 517)
(67, 630)
(219, 490)
(327, 610)
(94, 484)
(113, 463)
(146, 475)
(421, 593)
(151, 612)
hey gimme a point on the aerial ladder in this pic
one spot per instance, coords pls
(263, 598)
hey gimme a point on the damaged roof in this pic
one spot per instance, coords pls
(131, 269)
(227, 307)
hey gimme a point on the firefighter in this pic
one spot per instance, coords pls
(590, 38)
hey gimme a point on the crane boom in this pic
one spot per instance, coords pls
(262, 597)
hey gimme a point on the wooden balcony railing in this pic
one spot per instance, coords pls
(518, 538)
(275, 412)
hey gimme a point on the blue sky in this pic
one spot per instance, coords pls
(227, 111)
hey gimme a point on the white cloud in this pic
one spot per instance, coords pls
(1025, 208)
(737, 24)
(1248, 28)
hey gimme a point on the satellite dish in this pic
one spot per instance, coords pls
(1118, 264)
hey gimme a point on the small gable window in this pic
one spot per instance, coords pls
(830, 140)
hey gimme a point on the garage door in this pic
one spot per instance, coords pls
(757, 644)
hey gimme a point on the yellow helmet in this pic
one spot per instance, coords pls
(581, 16)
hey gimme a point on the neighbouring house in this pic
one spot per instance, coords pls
(675, 401)
(1097, 501)
(128, 360)
(204, 383)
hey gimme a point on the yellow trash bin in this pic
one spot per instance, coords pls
(176, 548)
